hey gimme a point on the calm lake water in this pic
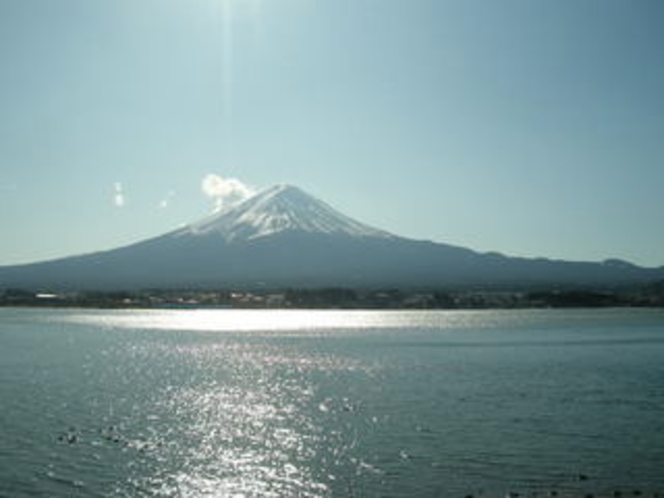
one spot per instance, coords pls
(216, 403)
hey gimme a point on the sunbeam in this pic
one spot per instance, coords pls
(231, 11)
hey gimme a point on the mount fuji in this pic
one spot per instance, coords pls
(284, 237)
(282, 208)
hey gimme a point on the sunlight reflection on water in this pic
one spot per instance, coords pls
(277, 320)
(216, 403)
(238, 441)
(236, 417)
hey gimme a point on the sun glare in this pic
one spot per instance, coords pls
(232, 12)
(250, 8)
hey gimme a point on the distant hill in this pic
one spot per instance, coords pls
(284, 237)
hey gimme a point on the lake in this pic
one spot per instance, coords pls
(216, 403)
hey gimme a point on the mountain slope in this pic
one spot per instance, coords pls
(285, 237)
(282, 208)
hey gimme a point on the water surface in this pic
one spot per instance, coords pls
(207, 403)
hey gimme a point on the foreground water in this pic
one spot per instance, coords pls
(216, 403)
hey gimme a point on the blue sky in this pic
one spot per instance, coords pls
(529, 127)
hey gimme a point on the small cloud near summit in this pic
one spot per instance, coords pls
(166, 201)
(118, 195)
(225, 192)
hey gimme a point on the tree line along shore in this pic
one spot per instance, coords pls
(343, 298)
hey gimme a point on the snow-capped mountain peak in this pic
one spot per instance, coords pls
(279, 209)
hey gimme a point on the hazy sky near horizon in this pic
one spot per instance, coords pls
(529, 127)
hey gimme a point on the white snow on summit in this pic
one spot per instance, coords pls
(279, 209)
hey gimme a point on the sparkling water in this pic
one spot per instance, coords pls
(217, 403)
